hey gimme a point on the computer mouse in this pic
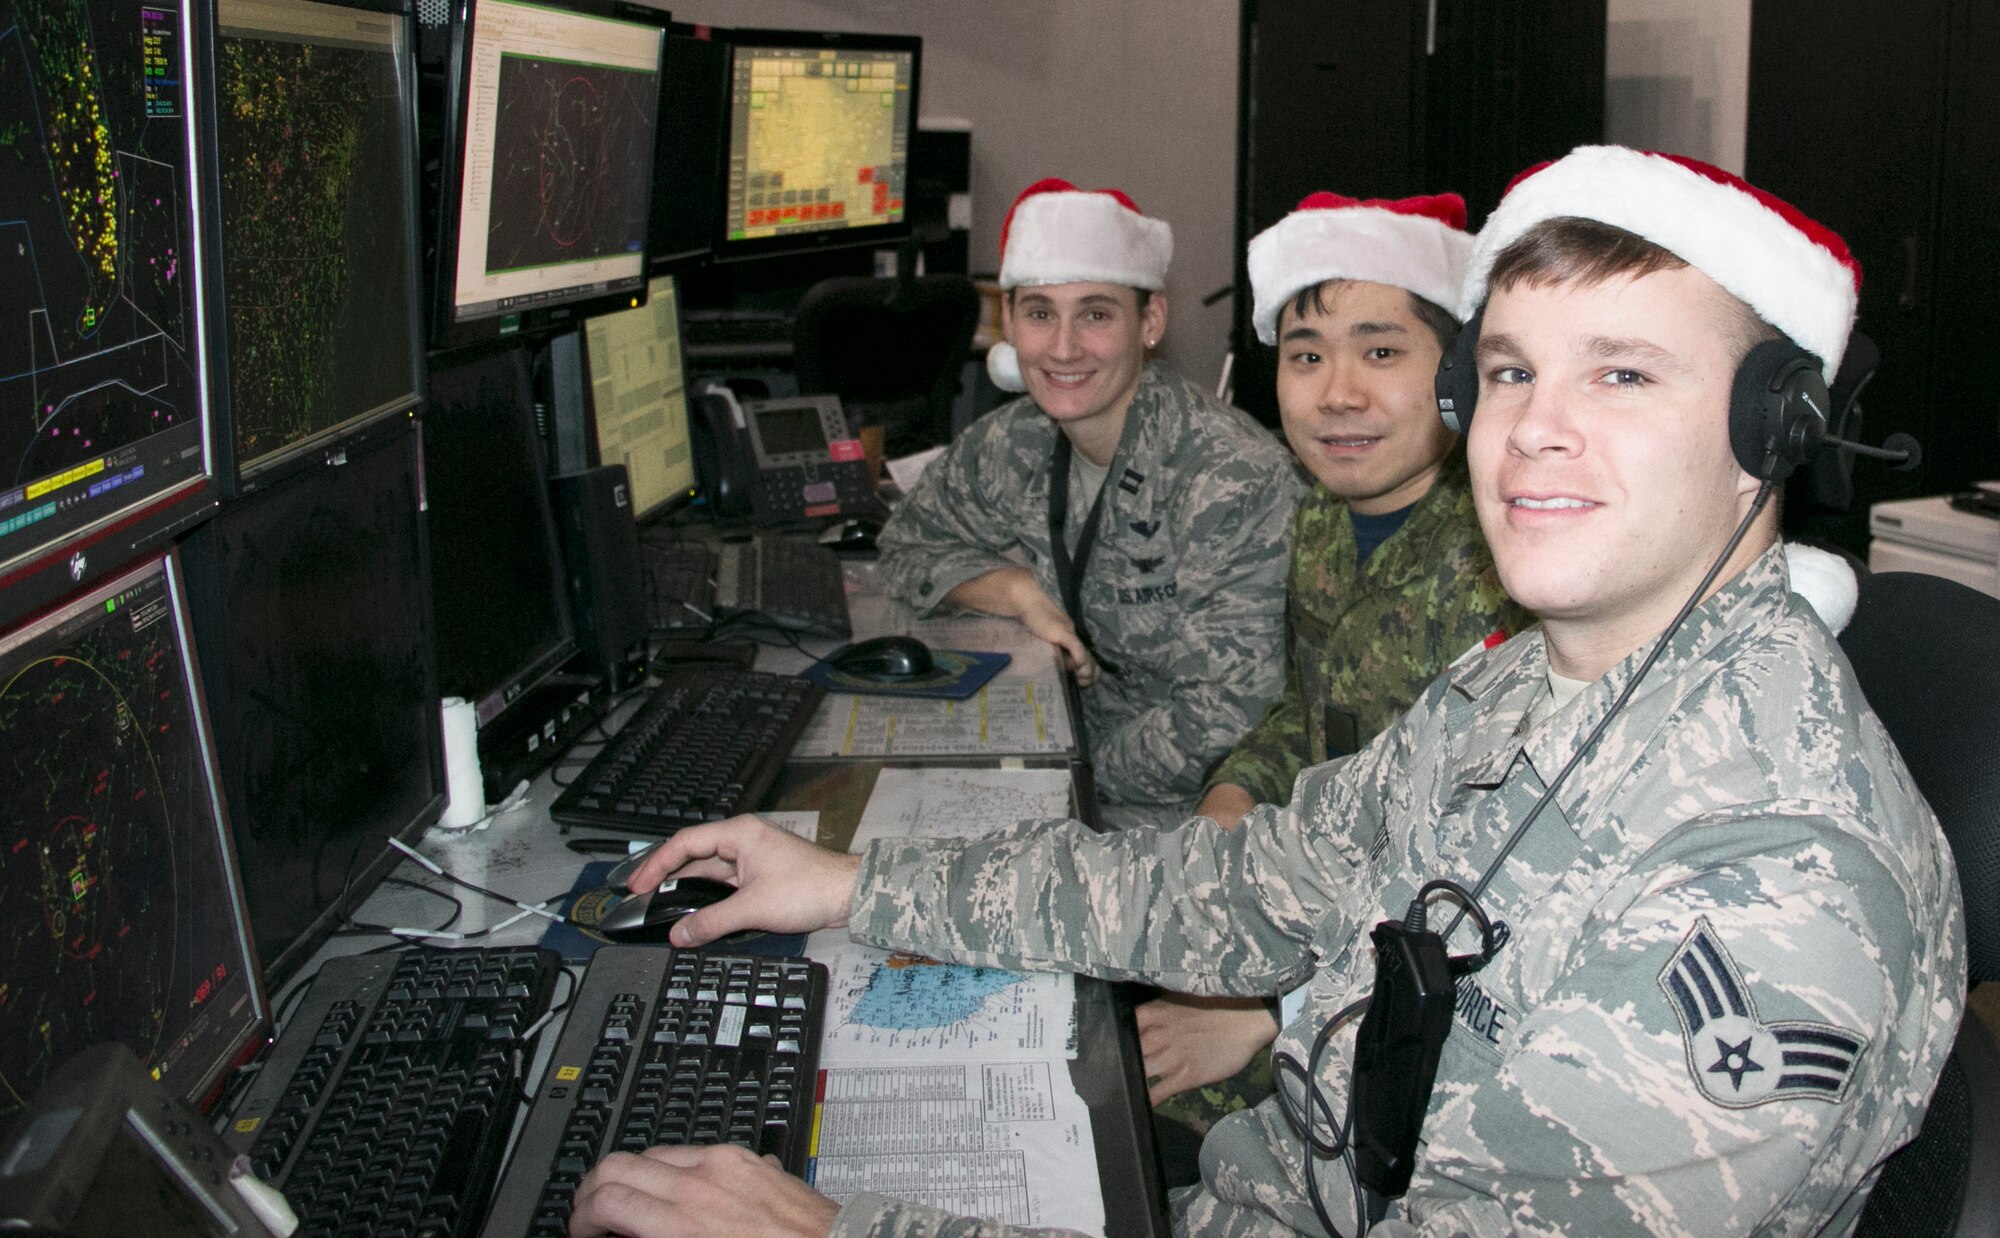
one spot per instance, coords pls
(885, 658)
(647, 915)
(851, 535)
(620, 876)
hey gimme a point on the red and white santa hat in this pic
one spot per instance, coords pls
(1794, 273)
(1056, 233)
(1417, 244)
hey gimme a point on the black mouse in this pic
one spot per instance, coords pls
(646, 916)
(851, 535)
(886, 658)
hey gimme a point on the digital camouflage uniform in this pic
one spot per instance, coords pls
(1184, 591)
(1362, 646)
(1737, 956)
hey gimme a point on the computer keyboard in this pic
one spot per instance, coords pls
(787, 583)
(792, 584)
(707, 744)
(736, 334)
(384, 1107)
(680, 584)
(667, 1046)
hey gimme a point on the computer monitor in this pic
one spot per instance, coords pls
(103, 403)
(315, 134)
(120, 911)
(503, 617)
(548, 170)
(638, 403)
(313, 612)
(687, 157)
(820, 127)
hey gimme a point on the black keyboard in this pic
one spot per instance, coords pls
(384, 1107)
(742, 334)
(789, 584)
(667, 1046)
(707, 744)
(680, 584)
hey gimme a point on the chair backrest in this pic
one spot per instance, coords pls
(1927, 653)
(892, 350)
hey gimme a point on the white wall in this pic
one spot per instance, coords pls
(1136, 94)
(1677, 77)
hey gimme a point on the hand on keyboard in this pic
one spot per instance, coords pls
(723, 1190)
(784, 883)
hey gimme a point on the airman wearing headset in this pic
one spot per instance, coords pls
(1733, 960)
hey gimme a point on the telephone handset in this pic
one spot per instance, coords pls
(779, 461)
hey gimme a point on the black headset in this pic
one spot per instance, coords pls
(1778, 403)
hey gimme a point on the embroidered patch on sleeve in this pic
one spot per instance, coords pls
(1736, 1058)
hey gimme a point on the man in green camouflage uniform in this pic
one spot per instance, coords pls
(1735, 962)
(1390, 577)
(1179, 612)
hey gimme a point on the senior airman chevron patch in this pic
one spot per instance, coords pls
(1737, 1059)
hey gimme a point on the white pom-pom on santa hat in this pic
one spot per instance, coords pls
(1825, 581)
(1056, 233)
(1793, 273)
(1417, 244)
(1003, 366)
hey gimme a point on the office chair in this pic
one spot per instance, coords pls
(892, 350)
(1924, 651)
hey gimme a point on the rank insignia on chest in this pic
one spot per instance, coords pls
(1145, 528)
(1736, 1058)
(1131, 481)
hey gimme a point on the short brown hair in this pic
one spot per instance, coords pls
(1569, 250)
(1432, 315)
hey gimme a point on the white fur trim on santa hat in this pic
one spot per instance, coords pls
(1308, 247)
(1825, 581)
(1003, 366)
(1789, 280)
(1077, 237)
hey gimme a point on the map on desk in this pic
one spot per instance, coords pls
(885, 1007)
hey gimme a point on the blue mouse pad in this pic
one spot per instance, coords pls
(955, 675)
(590, 898)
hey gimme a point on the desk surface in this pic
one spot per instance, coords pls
(522, 854)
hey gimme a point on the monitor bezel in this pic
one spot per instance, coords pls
(445, 331)
(212, 619)
(42, 573)
(873, 236)
(675, 499)
(200, 1091)
(234, 476)
(703, 159)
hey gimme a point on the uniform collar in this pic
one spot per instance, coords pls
(1501, 687)
(1411, 552)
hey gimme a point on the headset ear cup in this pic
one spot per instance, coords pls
(1777, 409)
(1457, 381)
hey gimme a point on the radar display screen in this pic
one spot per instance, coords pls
(555, 159)
(818, 139)
(313, 132)
(101, 375)
(119, 914)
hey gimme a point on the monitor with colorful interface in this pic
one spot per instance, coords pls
(548, 168)
(820, 127)
(121, 917)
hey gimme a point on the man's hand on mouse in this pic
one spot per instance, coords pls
(784, 884)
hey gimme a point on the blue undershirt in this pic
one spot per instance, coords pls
(1372, 531)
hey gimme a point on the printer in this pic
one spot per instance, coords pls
(1931, 535)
